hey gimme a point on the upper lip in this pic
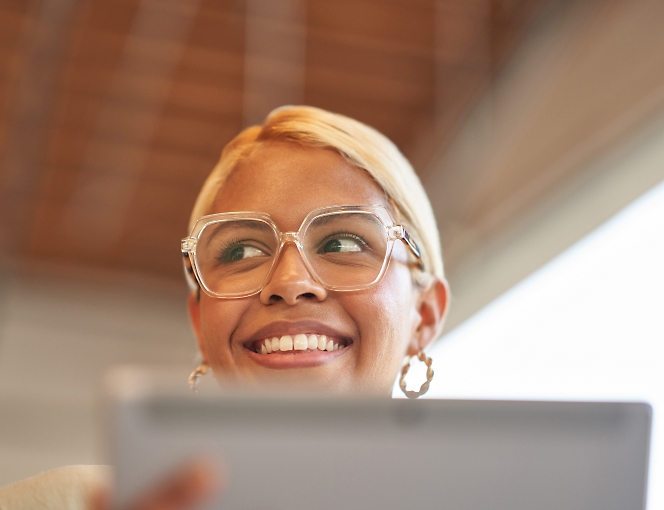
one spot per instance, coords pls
(281, 328)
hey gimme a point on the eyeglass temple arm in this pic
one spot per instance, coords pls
(400, 233)
(187, 248)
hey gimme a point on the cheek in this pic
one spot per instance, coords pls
(385, 318)
(219, 318)
(386, 315)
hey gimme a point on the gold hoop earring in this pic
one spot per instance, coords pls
(193, 377)
(425, 387)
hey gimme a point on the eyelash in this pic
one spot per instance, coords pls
(346, 234)
(243, 242)
(232, 244)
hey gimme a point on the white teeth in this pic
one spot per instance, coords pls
(300, 342)
(286, 343)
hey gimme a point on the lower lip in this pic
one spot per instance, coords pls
(296, 359)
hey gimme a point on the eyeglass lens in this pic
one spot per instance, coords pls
(345, 249)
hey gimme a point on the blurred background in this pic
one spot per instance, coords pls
(530, 122)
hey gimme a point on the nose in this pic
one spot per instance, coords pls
(291, 281)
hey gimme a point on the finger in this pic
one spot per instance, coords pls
(99, 499)
(185, 489)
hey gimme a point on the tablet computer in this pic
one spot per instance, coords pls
(298, 451)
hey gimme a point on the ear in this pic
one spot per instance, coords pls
(432, 305)
(194, 307)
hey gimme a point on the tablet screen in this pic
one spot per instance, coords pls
(303, 452)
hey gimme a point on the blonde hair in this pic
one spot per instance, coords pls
(361, 145)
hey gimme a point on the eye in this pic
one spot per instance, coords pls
(237, 251)
(342, 243)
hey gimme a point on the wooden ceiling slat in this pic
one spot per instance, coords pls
(201, 138)
(159, 203)
(148, 57)
(185, 133)
(67, 148)
(12, 26)
(116, 16)
(168, 168)
(219, 28)
(13, 16)
(57, 183)
(127, 126)
(152, 53)
(201, 65)
(213, 100)
(77, 111)
(16, 6)
(6, 88)
(105, 157)
(190, 100)
(139, 255)
(67, 151)
(211, 31)
(136, 88)
(181, 171)
(375, 61)
(366, 87)
(52, 237)
(364, 42)
(453, 8)
(8, 61)
(379, 19)
(211, 67)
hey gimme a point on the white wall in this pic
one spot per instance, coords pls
(57, 336)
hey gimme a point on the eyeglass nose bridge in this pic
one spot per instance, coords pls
(289, 237)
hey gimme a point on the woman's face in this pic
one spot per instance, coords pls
(377, 325)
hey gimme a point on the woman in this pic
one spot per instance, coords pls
(302, 160)
(314, 261)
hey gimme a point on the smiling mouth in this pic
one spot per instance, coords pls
(298, 343)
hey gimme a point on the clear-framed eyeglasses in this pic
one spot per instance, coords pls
(345, 248)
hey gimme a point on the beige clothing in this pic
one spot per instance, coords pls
(65, 488)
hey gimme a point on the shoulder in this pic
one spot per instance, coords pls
(69, 487)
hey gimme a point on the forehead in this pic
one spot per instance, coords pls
(288, 181)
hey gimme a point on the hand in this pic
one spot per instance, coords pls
(185, 489)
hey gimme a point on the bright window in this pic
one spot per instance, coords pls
(589, 325)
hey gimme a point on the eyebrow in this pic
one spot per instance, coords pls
(236, 225)
(329, 218)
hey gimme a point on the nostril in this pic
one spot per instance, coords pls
(291, 282)
(276, 298)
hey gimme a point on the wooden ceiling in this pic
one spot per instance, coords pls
(112, 113)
